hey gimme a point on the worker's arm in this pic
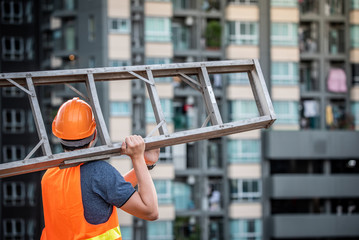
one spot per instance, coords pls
(151, 157)
(143, 203)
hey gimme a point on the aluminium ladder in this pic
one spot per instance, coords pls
(26, 81)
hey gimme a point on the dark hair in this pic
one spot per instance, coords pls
(67, 148)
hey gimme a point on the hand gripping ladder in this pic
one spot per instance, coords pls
(27, 80)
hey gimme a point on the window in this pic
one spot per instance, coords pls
(12, 48)
(284, 34)
(244, 151)
(355, 112)
(355, 4)
(354, 33)
(28, 12)
(165, 154)
(242, 109)
(13, 152)
(11, 12)
(167, 109)
(12, 92)
(245, 189)
(160, 230)
(14, 228)
(244, 2)
(150, 61)
(120, 109)
(284, 3)
(14, 194)
(92, 62)
(118, 63)
(158, 29)
(285, 73)
(91, 28)
(126, 233)
(30, 122)
(31, 194)
(13, 120)
(238, 78)
(30, 49)
(70, 38)
(164, 191)
(243, 33)
(286, 111)
(334, 7)
(119, 25)
(246, 229)
(183, 196)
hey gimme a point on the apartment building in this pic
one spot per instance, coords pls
(295, 180)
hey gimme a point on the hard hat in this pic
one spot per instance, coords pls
(74, 120)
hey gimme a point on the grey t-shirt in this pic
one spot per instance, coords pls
(102, 187)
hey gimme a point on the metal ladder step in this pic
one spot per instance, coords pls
(27, 80)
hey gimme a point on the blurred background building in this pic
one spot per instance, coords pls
(296, 180)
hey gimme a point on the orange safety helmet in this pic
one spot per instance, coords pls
(74, 120)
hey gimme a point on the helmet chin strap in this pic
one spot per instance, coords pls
(94, 140)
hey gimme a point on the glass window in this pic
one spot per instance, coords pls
(164, 191)
(119, 25)
(244, 151)
(284, 3)
(245, 189)
(238, 78)
(91, 28)
(309, 6)
(11, 12)
(183, 197)
(122, 109)
(334, 7)
(118, 63)
(30, 48)
(12, 48)
(355, 4)
(243, 33)
(166, 154)
(12, 92)
(150, 61)
(354, 33)
(285, 73)
(70, 38)
(13, 120)
(157, 29)
(92, 62)
(126, 232)
(284, 34)
(246, 229)
(14, 194)
(14, 228)
(244, 2)
(167, 109)
(286, 111)
(28, 12)
(13, 152)
(242, 109)
(355, 112)
(160, 230)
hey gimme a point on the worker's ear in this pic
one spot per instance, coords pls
(94, 140)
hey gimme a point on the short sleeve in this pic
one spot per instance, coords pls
(108, 183)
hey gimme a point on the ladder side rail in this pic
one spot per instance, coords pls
(96, 108)
(260, 92)
(122, 73)
(104, 151)
(209, 98)
(156, 103)
(39, 122)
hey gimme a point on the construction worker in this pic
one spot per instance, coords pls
(81, 202)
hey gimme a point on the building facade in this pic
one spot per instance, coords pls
(295, 180)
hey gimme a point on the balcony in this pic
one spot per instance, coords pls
(311, 144)
(307, 186)
(308, 225)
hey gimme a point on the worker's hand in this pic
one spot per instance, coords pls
(151, 156)
(134, 147)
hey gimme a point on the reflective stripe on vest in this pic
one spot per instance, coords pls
(113, 233)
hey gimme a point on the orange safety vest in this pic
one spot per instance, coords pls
(64, 212)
